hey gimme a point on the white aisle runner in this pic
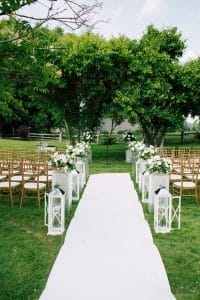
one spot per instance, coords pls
(108, 253)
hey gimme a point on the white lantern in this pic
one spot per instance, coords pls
(162, 210)
(176, 212)
(55, 211)
(75, 185)
(145, 187)
(156, 180)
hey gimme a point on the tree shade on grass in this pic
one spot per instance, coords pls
(27, 253)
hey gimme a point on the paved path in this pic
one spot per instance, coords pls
(108, 253)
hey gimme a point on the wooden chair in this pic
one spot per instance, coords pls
(25, 173)
(7, 186)
(188, 185)
(32, 188)
(45, 175)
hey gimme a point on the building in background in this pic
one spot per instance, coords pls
(106, 125)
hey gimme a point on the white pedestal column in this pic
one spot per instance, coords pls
(156, 180)
(80, 166)
(87, 169)
(128, 156)
(90, 155)
(142, 169)
(134, 159)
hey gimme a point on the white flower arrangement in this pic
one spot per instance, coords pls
(128, 136)
(147, 152)
(158, 164)
(62, 161)
(87, 136)
(136, 146)
(81, 149)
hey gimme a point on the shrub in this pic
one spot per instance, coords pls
(108, 140)
(23, 132)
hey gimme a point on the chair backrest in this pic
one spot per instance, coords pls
(6, 168)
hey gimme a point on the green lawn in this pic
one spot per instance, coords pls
(27, 253)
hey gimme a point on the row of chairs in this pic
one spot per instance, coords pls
(25, 177)
(185, 177)
(186, 152)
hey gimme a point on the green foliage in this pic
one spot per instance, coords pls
(152, 94)
(8, 6)
(108, 140)
(93, 69)
(26, 75)
(191, 80)
(51, 79)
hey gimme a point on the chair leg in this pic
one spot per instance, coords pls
(197, 196)
(11, 197)
(38, 198)
(22, 197)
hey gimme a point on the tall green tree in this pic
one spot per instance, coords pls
(8, 6)
(153, 93)
(191, 83)
(93, 69)
(24, 77)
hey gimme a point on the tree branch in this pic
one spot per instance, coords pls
(71, 15)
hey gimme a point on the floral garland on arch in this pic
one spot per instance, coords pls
(158, 164)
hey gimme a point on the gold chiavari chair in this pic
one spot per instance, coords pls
(32, 188)
(7, 186)
(23, 175)
(188, 185)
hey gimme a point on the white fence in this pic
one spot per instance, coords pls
(45, 136)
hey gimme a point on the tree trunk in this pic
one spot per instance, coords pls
(162, 141)
(182, 136)
(153, 136)
(79, 132)
(67, 130)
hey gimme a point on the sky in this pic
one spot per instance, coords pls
(131, 17)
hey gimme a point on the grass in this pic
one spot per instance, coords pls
(27, 253)
(114, 162)
(180, 251)
(27, 145)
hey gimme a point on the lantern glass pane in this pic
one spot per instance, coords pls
(163, 213)
(163, 202)
(56, 213)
